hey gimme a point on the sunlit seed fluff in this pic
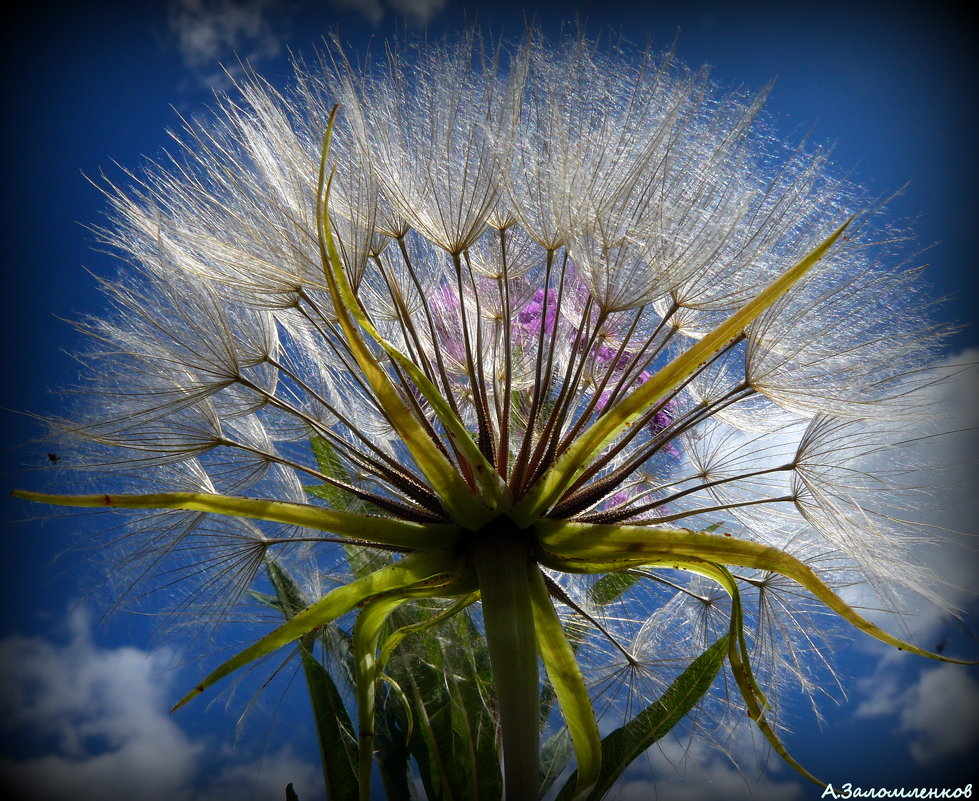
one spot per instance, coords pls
(538, 229)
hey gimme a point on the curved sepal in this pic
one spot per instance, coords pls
(597, 548)
(447, 482)
(740, 659)
(411, 569)
(380, 530)
(569, 686)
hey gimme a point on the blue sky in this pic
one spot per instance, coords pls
(889, 85)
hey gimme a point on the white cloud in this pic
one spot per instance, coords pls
(371, 10)
(101, 709)
(214, 35)
(95, 721)
(940, 711)
(264, 780)
(884, 691)
(420, 11)
(938, 706)
(696, 770)
(101, 716)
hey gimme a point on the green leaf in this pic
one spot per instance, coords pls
(475, 731)
(455, 692)
(625, 744)
(334, 730)
(395, 639)
(398, 741)
(265, 599)
(289, 598)
(330, 464)
(327, 460)
(432, 743)
(333, 727)
(549, 488)
(555, 753)
(610, 586)
(393, 756)
(367, 631)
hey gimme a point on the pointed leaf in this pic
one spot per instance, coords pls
(333, 727)
(329, 464)
(555, 753)
(610, 587)
(393, 756)
(458, 750)
(367, 666)
(625, 744)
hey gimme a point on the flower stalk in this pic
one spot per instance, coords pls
(502, 560)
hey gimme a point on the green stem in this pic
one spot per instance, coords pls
(502, 560)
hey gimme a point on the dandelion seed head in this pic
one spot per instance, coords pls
(536, 230)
